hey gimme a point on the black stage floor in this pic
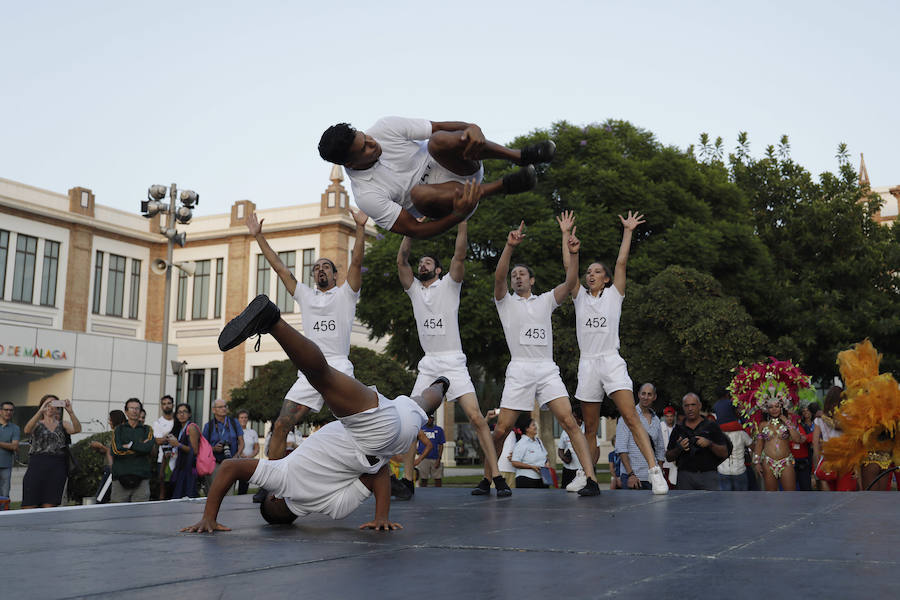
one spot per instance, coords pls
(537, 544)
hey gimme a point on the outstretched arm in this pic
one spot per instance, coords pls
(284, 274)
(458, 263)
(404, 271)
(566, 222)
(514, 238)
(380, 484)
(354, 273)
(629, 226)
(562, 291)
(233, 469)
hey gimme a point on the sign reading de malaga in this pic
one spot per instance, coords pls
(26, 352)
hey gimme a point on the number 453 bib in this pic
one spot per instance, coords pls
(533, 335)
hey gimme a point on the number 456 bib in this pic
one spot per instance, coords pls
(325, 326)
(533, 335)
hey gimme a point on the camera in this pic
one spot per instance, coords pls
(226, 450)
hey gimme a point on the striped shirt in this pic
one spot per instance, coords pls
(625, 443)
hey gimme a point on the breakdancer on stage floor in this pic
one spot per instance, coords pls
(403, 169)
(435, 302)
(341, 464)
(531, 372)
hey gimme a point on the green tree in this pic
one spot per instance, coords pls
(685, 334)
(263, 395)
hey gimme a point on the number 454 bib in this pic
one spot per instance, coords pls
(533, 335)
(433, 324)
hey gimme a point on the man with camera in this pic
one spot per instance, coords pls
(225, 435)
(697, 446)
(132, 444)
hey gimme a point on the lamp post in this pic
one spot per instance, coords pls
(150, 207)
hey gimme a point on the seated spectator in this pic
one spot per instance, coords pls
(185, 441)
(528, 457)
(48, 467)
(132, 446)
(9, 444)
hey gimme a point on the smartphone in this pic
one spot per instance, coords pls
(58, 403)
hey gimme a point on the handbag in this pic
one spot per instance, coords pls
(548, 476)
(822, 474)
(206, 462)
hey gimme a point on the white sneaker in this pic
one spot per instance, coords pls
(579, 482)
(658, 482)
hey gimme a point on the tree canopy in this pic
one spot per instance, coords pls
(735, 262)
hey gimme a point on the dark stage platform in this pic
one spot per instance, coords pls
(537, 544)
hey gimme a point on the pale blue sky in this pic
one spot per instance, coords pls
(230, 98)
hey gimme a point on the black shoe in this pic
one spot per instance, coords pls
(445, 383)
(483, 488)
(591, 489)
(257, 319)
(520, 181)
(503, 490)
(260, 496)
(398, 490)
(541, 152)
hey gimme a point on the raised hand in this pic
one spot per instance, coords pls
(359, 216)
(573, 243)
(516, 236)
(466, 201)
(566, 221)
(632, 221)
(253, 224)
(474, 140)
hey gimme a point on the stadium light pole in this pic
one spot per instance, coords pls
(150, 207)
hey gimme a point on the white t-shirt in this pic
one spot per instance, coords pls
(734, 464)
(565, 443)
(526, 325)
(828, 431)
(314, 478)
(436, 309)
(384, 188)
(328, 316)
(503, 463)
(597, 321)
(162, 427)
(250, 438)
(531, 452)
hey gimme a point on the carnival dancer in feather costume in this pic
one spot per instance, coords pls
(868, 416)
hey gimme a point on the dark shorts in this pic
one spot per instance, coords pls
(44, 480)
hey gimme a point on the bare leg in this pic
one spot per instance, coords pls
(291, 414)
(446, 147)
(624, 400)
(562, 410)
(771, 481)
(469, 404)
(590, 411)
(789, 479)
(436, 200)
(505, 421)
(344, 395)
(869, 473)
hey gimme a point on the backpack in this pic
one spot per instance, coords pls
(206, 462)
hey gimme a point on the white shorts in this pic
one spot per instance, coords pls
(599, 375)
(388, 429)
(452, 366)
(302, 392)
(527, 381)
(434, 172)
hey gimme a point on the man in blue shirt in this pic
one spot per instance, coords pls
(9, 443)
(225, 435)
(430, 466)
